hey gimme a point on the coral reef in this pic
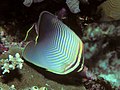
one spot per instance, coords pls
(97, 36)
(109, 64)
(11, 63)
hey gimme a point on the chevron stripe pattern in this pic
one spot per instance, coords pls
(58, 48)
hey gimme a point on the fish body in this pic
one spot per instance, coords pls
(58, 49)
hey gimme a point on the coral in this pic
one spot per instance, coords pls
(93, 33)
(90, 49)
(109, 65)
(111, 78)
(36, 88)
(92, 85)
(29, 2)
(94, 36)
(12, 87)
(3, 48)
(103, 30)
(110, 10)
(11, 63)
(6, 87)
(73, 5)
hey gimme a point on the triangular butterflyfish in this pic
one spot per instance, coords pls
(57, 49)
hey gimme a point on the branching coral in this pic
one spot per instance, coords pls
(11, 63)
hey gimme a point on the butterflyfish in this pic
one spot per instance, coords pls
(57, 48)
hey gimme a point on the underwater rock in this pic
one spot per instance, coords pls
(110, 10)
(97, 37)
